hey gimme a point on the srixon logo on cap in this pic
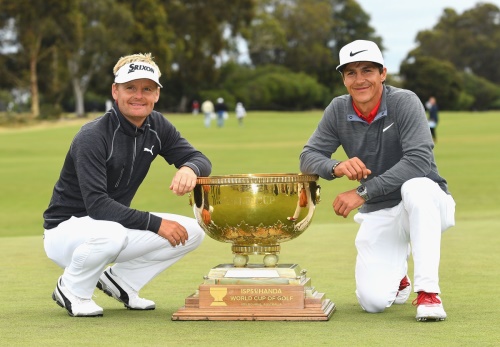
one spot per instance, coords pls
(135, 67)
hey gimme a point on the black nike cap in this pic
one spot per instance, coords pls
(360, 50)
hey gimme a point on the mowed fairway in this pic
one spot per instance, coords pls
(468, 157)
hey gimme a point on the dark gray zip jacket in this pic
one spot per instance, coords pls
(107, 162)
(397, 146)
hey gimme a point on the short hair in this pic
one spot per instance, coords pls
(379, 66)
(139, 57)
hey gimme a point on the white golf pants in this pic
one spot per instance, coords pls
(384, 238)
(83, 247)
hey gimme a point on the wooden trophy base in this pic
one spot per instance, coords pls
(281, 293)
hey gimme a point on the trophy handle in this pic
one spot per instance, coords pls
(315, 190)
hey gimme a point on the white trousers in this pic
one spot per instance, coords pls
(384, 238)
(83, 247)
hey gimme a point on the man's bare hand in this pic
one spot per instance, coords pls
(175, 233)
(353, 169)
(184, 181)
(345, 202)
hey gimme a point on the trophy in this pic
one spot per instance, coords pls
(255, 213)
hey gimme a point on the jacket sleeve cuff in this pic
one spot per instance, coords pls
(154, 223)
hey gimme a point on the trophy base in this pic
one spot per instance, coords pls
(256, 293)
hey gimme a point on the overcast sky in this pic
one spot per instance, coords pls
(399, 21)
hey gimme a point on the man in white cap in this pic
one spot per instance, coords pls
(404, 204)
(89, 223)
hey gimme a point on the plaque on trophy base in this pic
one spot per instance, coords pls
(256, 292)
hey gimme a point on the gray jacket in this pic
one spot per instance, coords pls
(397, 146)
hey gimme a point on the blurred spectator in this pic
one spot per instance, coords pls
(195, 107)
(207, 107)
(221, 110)
(240, 113)
(433, 116)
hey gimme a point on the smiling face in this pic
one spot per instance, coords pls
(363, 81)
(136, 99)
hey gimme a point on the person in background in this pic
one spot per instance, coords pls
(404, 203)
(207, 107)
(221, 110)
(240, 113)
(433, 116)
(89, 223)
(195, 107)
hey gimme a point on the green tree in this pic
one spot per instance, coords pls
(307, 35)
(268, 87)
(428, 76)
(10, 67)
(202, 29)
(267, 37)
(350, 22)
(150, 32)
(90, 37)
(485, 94)
(308, 32)
(33, 21)
(471, 41)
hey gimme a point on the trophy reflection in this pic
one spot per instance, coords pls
(255, 213)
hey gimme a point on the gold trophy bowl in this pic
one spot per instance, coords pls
(255, 212)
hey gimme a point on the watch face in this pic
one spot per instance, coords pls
(362, 192)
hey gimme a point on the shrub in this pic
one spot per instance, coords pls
(270, 88)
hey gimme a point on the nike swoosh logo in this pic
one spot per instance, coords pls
(387, 127)
(353, 54)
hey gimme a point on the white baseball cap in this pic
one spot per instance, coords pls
(135, 71)
(360, 50)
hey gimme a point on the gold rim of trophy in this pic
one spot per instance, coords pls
(257, 179)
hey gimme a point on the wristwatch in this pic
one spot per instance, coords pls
(361, 191)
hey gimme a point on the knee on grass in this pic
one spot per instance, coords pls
(373, 302)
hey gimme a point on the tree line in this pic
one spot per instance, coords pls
(61, 53)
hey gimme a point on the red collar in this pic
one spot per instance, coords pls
(371, 115)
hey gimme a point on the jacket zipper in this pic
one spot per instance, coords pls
(121, 175)
(133, 157)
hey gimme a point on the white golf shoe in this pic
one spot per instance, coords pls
(429, 307)
(404, 291)
(76, 306)
(113, 286)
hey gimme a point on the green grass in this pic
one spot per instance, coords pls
(467, 155)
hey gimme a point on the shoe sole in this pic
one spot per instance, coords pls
(429, 319)
(426, 313)
(56, 299)
(109, 293)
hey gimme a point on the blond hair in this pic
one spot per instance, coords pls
(139, 57)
